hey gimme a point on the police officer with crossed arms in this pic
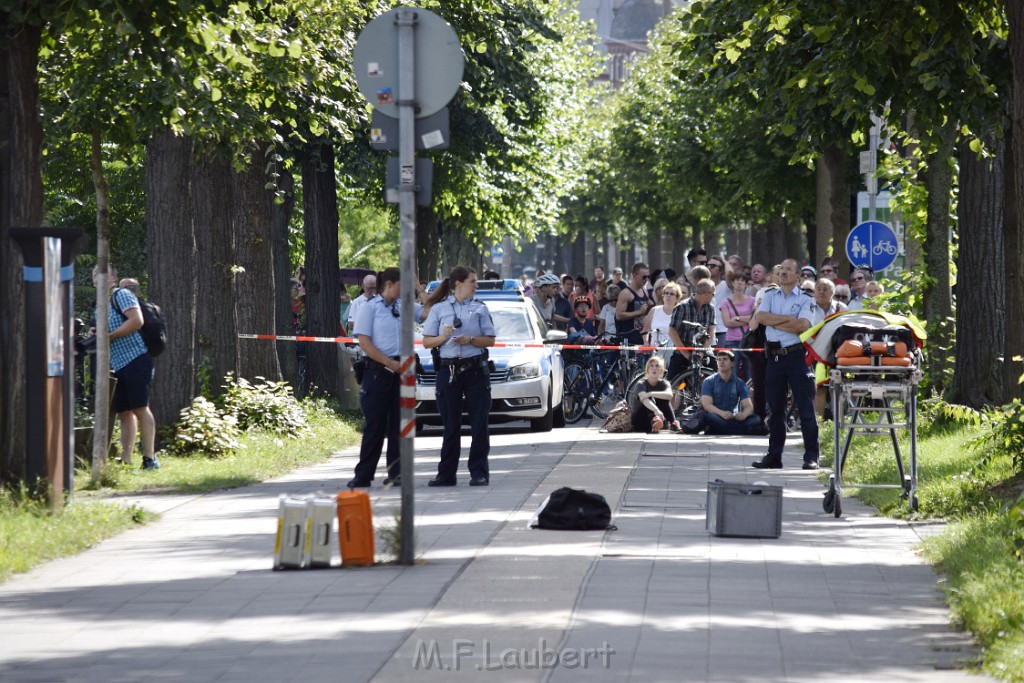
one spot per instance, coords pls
(378, 327)
(460, 328)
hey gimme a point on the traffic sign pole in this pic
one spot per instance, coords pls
(386, 63)
(406, 22)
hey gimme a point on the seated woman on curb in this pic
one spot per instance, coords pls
(655, 396)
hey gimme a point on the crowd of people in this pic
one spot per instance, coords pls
(723, 298)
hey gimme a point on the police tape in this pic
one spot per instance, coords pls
(517, 345)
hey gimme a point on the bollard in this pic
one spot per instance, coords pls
(355, 529)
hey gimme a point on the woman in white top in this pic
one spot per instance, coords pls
(659, 319)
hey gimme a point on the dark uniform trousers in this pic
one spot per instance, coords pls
(475, 385)
(378, 398)
(790, 370)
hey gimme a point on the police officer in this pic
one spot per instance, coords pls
(378, 327)
(459, 326)
(787, 311)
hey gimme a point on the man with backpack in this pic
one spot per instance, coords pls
(132, 364)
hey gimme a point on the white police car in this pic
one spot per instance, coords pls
(526, 383)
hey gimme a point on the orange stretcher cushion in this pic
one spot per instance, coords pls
(903, 362)
(850, 349)
(853, 360)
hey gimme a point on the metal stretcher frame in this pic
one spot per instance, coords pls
(858, 390)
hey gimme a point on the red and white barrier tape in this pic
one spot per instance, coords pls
(511, 345)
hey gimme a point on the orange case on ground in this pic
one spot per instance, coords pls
(355, 529)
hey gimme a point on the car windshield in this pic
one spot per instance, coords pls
(511, 324)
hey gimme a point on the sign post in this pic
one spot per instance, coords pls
(409, 64)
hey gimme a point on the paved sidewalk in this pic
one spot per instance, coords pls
(192, 596)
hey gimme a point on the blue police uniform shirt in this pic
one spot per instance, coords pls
(476, 322)
(377, 320)
(797, 303)
(725, 395)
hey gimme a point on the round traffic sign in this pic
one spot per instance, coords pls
(872, 244)
(438, 62)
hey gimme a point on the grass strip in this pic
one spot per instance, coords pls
(980, 551)
(31, 534)
(263, 456)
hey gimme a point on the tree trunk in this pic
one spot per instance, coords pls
(759, 245)
(1014, 235)
(822, 210)
(678, 253)
(216, 327)
(320, 206)
(795, 243)
(839, 222)
(653, 244)
(777, 250)
(250, 218)
(458, 250)
(21, 205)
(427, 243)
(101, 393)
(981, 298)
(281, 216)
(936, 298)
(171, 251)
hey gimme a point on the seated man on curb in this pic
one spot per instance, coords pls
(726, 401)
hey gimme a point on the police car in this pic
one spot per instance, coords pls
(526, 383)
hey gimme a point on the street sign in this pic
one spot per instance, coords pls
(438, 62)
(497, 253)
(431, 132)
(872, 244)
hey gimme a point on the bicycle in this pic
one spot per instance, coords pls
(598, 381)
(686, 386)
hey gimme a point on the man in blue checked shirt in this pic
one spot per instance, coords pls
(133, 366)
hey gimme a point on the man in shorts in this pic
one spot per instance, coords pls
(133, 366)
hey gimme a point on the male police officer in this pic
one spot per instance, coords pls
(378, 327)
(786, 312)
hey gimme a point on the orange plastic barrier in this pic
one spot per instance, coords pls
(355, 529)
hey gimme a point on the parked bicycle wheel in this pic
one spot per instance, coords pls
(576, 394)
(686, 388)
(607, 396)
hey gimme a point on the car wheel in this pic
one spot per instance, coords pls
(559, 416)
(546, 423)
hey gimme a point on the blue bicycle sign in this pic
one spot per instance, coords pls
(872, 244)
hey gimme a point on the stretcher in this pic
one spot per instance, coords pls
(873, 372)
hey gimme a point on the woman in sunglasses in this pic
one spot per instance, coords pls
(378, 327)
(459, 326)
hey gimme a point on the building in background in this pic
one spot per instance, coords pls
(623, 27)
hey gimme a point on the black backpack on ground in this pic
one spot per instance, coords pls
(573, 509)
(154, 328)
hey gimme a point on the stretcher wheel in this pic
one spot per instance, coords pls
(829, 502)
(913, 502)
(838, 506)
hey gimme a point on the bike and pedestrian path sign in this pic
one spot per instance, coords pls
(872, 244)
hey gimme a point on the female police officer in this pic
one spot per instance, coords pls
(378, 326)
(460, 327)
